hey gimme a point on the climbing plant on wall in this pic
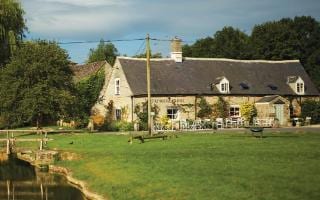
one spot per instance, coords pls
(248, 111)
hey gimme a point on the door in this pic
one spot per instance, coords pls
(279, 109)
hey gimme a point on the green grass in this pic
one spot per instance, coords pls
(197, 166)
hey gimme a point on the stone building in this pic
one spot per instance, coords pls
(277, 88)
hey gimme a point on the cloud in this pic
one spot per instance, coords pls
(189, 19)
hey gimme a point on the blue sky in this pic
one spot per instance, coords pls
(91, 20)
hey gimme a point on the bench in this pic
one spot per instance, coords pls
(142, 138)
(256, 129)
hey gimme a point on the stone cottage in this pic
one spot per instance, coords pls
(277, 88)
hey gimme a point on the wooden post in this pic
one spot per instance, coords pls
(8, 146)
(41, 144)
(148, 83)
(41, 189)
(8, 189)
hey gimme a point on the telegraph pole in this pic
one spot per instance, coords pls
(148, 83)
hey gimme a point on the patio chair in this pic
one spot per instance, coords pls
(219, 123)
(307, 122)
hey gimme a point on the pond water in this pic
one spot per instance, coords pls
(20, 180)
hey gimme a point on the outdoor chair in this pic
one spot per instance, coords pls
(219, 123)
(307, 122)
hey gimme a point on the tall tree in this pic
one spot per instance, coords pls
(36, 85)
(231, 43)
(12, 27)
(104, 51)
(226, 43)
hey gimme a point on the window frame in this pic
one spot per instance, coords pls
(117, 86)
(234, 111)
(300, 87)
(173, 116)
(224, 86)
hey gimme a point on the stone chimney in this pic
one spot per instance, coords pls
(176, 49)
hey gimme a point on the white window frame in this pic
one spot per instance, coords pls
(224, 86)
(299, 86)
(233, 107)
(173, 116)
(117, 86)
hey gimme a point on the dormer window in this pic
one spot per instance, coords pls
(300, 88)
(117, 86)
(223, 85)
(297, 84)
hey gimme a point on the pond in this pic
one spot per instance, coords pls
(20, 180)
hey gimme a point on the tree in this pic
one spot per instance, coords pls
(12, 27)
(104, 51)
(205, 110)
(201, 48)
(88, 91)
(37, 85)
(227, 43)
(231, 43)
(221, 108)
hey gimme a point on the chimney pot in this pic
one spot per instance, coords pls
(176, 49)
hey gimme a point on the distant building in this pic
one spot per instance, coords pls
(276, 87)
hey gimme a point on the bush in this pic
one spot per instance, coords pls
(116, 126)
(311, 108)
(248, 111)
(98, 120)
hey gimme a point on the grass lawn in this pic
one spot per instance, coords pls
(197, 166)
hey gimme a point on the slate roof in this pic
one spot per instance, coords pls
(267, 99)
(82, 71)
(195, 76)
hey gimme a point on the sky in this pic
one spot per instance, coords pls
(92, 20)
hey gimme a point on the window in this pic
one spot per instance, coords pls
(300, 88)
(234, 111)
(224, 87)
(117, 86)
(172, 113)
(244, 86)
(118, 114)
(272, 87)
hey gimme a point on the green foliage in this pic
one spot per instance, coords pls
(205, 110)
(248, 111)
(88, 91)
(12, 27)
(227, 43)
(117, 126)
(37, 85)
(141, 110)
(104, 51)
(220, 108)
(311, 108)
